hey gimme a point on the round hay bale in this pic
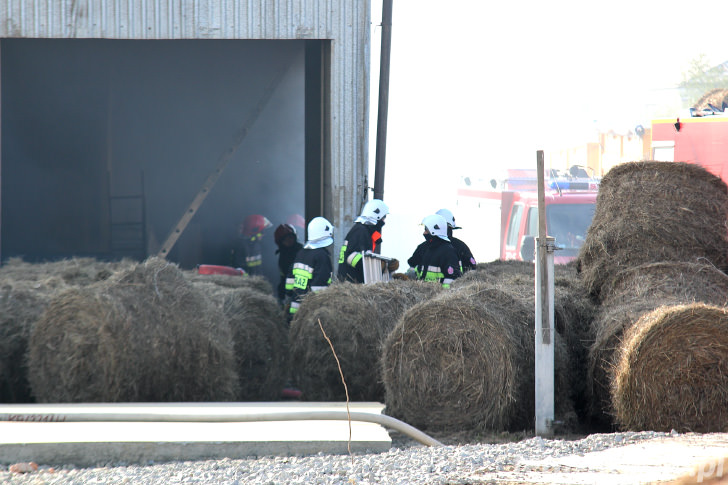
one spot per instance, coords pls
(672, 371)
(574, 313)
(635, 292)
(143, 335)
(462, 361)
(25, 291)
(20, 306)
(73, 272)
(357, 319)
(634, 223)
(260, 335)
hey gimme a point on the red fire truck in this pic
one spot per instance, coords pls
(700, 137)
(500, 217)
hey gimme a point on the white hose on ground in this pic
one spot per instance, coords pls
(105, 416)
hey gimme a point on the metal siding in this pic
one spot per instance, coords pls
(345, 22)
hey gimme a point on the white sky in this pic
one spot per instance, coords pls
(477, 84)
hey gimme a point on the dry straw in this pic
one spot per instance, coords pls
(143, 335)
(672, 371)
(635, 292)
(654, 212)
(25, 291)
(461, 361)
(357, 319)
(260, 335)
(716, 97)
(574, 313)
(255, 282)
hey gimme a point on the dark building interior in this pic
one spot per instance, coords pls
(107, 143)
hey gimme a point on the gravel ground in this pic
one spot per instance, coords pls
(407, 462)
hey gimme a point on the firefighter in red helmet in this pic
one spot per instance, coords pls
(297, 221)
(248, 253)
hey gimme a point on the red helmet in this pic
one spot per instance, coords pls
(282, 231)
(254, 224)
(296, 220)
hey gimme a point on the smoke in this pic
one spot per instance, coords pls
(85, 120)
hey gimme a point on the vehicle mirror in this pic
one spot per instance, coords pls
(528, 248)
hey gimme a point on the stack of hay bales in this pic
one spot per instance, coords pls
(672, 371)
(260, 334)
(633, 293)
(357, 319)
(658, 238)
(649, 212)
(25, 291)
(465, 360)
(142, 335)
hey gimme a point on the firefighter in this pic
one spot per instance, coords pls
(297, 221)
(312, 268)
(439, 258)
(285, 237)
(465, 256)
(364, 235)
(248, 253)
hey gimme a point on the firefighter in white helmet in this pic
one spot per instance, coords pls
(465, 256)
(364, 235)
(439, 261)
(312, 267)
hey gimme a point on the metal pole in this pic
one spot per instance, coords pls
(383, 99)
(544, 321)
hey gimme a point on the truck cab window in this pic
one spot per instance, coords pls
(514, 225)
(532, 222)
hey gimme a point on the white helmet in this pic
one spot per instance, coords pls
(449, 217)
(320, 233)
(436, 225)
(374, 211)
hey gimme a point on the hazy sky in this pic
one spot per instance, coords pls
(478, 84)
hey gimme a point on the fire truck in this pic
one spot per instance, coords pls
(700, 137)
(500, 216)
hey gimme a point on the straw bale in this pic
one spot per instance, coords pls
(260, 335)
(465, 361)
(21, 304)
(357, 319)
(142, 335)
(75, 271)
(635, 292)
(256, 282)
(716, 97)
(672, 371)
(25, 291)
(574, 312)
(651, 212)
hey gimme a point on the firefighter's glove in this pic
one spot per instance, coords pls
(393, 265)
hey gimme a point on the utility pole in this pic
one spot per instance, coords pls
(544, 321)
(383, 99)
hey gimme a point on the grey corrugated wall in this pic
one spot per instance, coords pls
(345, 22)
